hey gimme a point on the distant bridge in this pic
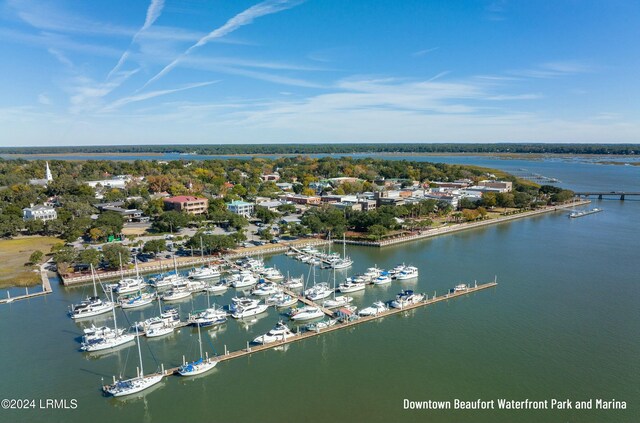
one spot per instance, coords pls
(600, 194)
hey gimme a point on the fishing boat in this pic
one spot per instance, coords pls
(280, 332)
(306, 313)
(199, 366)
(134, 385)
(409, 272)
(406, 298)
(377, 308)
(140, 300)
(92, 305)
(119, 338)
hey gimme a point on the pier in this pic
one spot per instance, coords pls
(343, 325)
(46, 289)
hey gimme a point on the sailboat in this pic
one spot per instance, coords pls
(338, 301)
(139, 383)
(344, 262)
(109, 342)
(91, 306)
(199, 366)
(204, 272)
(164, 325)
(128, 285)
(319, 290)
(207, 317)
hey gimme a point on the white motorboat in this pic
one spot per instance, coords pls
(159, 328)
(318, 291)
(336, 302)
(196, 285)
(243, 280)
(169, 316)
(167, 281)
(134, 385)
(208, 317)
(119, 338)
(293, 283)
(372, 273)
(199, 366)
(406, 298)
(280, 332)
(396, 270)
(248, 309)
(409, 272)
(204, 272)
(265, 288)
(217, 288)
(178, 292)
(95, 333)
(321, 325)
(129, 285)
(92, 305)
(461, 287)
(384, 278)
(306, 313)
(286, 301)
(349, 286)
(140, 300)
(377, 308)
(272, 274)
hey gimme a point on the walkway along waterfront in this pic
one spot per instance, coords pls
(46, 288)
(463, 226)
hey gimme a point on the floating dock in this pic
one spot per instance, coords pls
(343, 325)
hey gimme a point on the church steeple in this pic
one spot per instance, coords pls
(48, 176)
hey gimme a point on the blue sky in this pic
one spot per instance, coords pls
(294, 71)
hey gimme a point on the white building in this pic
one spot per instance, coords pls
(119, 182)
(48, 177)
(241, 207)
(39, 212)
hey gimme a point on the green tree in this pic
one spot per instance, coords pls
(170, 221)
(36, 257)
(265, 215)
(9, 225)
(287, 208)
(113, 253)
(63, 256)
(90, 256)
(377, 232)
(110, 223)
(155, 246)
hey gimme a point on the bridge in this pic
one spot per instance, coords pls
(600, 194)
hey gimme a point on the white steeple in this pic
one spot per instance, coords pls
(48, 175)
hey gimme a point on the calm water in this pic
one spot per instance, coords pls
(563, 323)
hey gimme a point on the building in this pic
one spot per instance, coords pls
(285, 186)
(119, 182)
(129, 215)
(301, 199)
(39, 212)
(48, 177)
(502, 186)
(187, 204)
(242, 208)
(270, 205)
(272, 177)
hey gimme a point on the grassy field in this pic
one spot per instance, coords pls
(14, 254)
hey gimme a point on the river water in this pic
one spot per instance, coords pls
(563, 323)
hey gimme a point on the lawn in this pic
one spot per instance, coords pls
(14, 254)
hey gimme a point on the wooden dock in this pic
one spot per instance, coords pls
(46, 289)
(343, 325)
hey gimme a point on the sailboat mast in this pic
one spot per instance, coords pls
(200, 341)
(93, 278)
(135, 260)
(121, 269)
(334, 283)
(115, 321)
(139, 353)
(201, 248)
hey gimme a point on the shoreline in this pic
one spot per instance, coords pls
(462, 226)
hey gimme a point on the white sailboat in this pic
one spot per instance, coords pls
(338, 301)
(199, 366)
(344, 262)
(204, 272)
(134, 385)
(140, 299)
(118, 339)
(129, 285)
(164, 325)
(91, 306)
